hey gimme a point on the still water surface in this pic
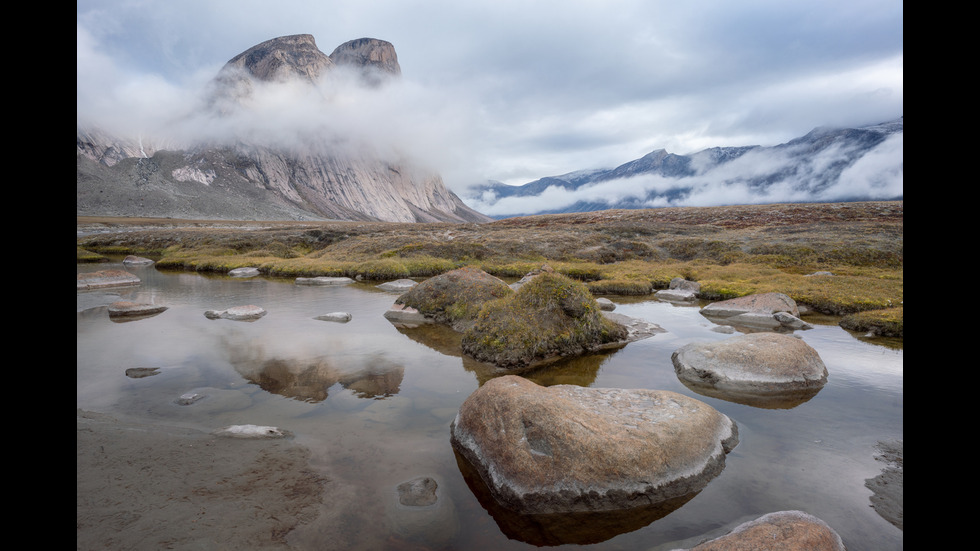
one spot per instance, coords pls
(374, 402)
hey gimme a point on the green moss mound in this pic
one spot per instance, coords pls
(455, 297)
(551, 315)
(888, 322)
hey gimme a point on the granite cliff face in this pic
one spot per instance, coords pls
(317, 176)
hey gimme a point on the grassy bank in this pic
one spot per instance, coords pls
(731, 251)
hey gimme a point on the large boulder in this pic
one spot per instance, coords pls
(453, 298)
(781, 531)
(550, 316)
(766, 311)
(756, 363)
(565, 448)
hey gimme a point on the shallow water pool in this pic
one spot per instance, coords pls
(374, 402)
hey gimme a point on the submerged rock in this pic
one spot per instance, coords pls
(418, 492)
(140, 372)
(127, 309)
(423, 515)
(189, 398)
(762, 363)
(137, 261)
(566, 448)
(106, 278)
(248, 312)
(781, 531)
(323, 280)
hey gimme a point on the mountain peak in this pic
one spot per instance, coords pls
(283, 58)
(369, 53)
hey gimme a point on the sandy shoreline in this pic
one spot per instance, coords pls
(144, 486)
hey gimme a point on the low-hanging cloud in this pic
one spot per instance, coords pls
(341, 112)
(760, 176)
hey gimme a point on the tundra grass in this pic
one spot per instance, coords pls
(730, 251)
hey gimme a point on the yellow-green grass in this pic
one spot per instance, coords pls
(887, 322)
(84, 256)
(730, 251)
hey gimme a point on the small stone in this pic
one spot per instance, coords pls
(249, 312)
(606, 305)
(140, 372)
(244, 272)
(189, 398)
(137, 261)
(322, 280)
(252, 431)
(399, 285)
(340, 317)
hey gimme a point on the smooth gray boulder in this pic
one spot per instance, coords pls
(636, 328)
(106, 278)
(252, 431)
(401, 314)
(758, 363)
(244, 272)
(605, 304)
(780, 531)
(680, 290)
(537, 448)
(323, 280)
(676, 295)
(133, 260)
(340, 317)
(765, 311)
(249, 312)
(398, 286)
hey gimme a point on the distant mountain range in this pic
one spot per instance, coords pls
(260, 168)
(826, 165)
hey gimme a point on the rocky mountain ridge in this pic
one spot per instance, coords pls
(814, 167)
(245, 179)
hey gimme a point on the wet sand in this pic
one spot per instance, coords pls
(144, 486)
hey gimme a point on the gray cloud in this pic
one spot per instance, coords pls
(514, 91)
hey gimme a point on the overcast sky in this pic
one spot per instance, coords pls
(518, 90)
